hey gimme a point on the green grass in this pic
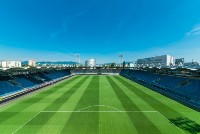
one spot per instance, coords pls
(97, 104)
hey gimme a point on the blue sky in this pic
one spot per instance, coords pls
(56, 30)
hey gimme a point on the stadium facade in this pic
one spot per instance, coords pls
(164, 60)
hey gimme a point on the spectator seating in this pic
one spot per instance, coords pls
(11, 84)
(181, 88)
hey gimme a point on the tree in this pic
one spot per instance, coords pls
(113, 64)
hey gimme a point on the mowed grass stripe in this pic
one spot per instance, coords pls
(42, 118)
(15, 110)
(155, 117)
(90, 96)
(85, 122)
(157, 105)
(140, 121)
(113, 121)
(24, 115)
(61, 85)
(173, 116)
(24, 104)
(55, 105)
(59, 119)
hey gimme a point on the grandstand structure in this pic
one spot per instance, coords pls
(180, 88)
(97, 101)
(15, 83)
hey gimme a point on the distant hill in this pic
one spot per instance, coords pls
(57, 62)
(51, 62)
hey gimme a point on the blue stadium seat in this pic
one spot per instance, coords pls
(6, 88)
(174, 85)
(20, 82)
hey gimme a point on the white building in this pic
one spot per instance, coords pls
(180, 62)
(32, 63)
(131, 64)
(90, 63)
(164, 60)
(10, 64)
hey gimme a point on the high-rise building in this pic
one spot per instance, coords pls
(32, 63)
(90, 63)
(10, 64)
(164, 60)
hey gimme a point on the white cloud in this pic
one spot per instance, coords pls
(194, 31)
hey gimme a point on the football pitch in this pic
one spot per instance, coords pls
(97, 105)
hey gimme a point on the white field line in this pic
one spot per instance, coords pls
(114, 112)
(171, 122)
(99, 106)
(99, 111)
(25, 123)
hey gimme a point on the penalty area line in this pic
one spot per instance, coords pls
(25, 123)
(99, 111)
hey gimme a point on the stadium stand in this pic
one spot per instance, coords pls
(182, 89)
(20, 84)
(42, 76)
(96, 71)
(6, 88)
(24, 82)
